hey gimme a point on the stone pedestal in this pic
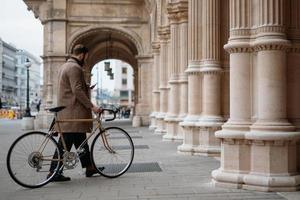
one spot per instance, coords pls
(28, 123)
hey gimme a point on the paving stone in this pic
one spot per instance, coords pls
(182, 177)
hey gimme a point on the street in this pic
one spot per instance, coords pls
(158, 172)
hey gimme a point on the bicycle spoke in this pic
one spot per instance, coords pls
(114, 151)
(26, 165)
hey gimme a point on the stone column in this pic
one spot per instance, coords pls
(171, 118)
(164, 35)
(273, 140)
(293, 71)
(183, 64)
(190, 130)
(143, 106)
(155, 85)
(235, 151)
(261, 156)
(211, 119)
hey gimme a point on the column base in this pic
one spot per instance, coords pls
(161, 126)
(272, 126)
(172, 129)
(259, 160)
(209, 144)
(137, 121)
(153, 124)
(43, 120)
(28, 123)
(190, 136)
(284, 183)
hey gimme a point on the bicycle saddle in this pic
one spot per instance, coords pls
(56, 109)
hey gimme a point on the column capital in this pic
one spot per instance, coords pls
(178, 11)
(155, 47)
(164, 33)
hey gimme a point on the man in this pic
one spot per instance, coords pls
(73, 93)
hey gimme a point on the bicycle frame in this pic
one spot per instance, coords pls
(56, 124)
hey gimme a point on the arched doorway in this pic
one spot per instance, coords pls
(114, 87)
(112, 43)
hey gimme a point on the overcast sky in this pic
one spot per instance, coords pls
(19, 27)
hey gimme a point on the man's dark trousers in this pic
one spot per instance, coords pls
(70, 139)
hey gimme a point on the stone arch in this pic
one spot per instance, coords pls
(88, 30)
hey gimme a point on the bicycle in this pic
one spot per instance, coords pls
(30, 155)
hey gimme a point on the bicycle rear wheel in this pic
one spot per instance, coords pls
(112, 152)
(29, 158)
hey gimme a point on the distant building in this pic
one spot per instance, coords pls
(34, 79)
(13, 78)
(8, 79)
(117, 92)
(123, 78)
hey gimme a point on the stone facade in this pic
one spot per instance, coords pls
(219, 75)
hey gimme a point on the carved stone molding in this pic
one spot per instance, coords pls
(212, 72)
(35, 5)
(156, 47)
(240, 32)
(271, 44)
(269, 29)
(238, 47)
(94, 29)
(258, 45)
(164, 33)
(275, 143)
(178, 11)
(295, 48)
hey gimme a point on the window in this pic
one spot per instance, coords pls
(123, 93)
(124, 70)
(124, 81)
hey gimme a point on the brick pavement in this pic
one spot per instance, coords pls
(182, 177)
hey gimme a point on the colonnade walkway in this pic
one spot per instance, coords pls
(159, 173)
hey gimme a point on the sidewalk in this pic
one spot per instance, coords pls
(181, 177)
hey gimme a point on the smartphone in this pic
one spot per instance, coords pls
(92, 87)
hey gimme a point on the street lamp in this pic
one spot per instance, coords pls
(27, 111)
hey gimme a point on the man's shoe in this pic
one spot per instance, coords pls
(59, 178)
(90, 173)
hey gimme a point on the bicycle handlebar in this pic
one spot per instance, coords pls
(110, 111)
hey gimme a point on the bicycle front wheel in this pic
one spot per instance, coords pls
(112, 152)
(29, 159)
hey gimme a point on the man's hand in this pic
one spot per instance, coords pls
(96, 109)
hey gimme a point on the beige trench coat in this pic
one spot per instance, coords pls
(74, 94)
